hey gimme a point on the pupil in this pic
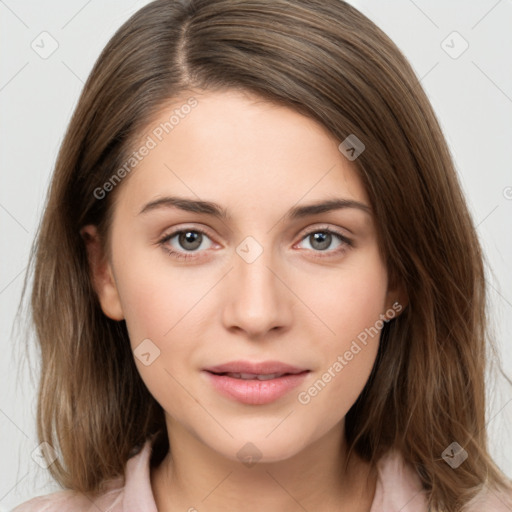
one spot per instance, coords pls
(324, 240)
(190, 240)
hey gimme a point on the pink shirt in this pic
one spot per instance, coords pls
(398, 490)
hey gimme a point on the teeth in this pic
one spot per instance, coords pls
(251, 376)
(270, 376)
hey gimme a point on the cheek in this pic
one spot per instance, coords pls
(164, 310)
(348, 358)
(157, 300)
(161, 322)
(351, 301)
(352, 309)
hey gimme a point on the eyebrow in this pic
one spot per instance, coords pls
(215, 210)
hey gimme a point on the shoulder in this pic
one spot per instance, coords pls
(131, 491)
(72, 501)
(398, 486)
(495, 500)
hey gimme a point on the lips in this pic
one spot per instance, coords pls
(265, 368)
(255, 383)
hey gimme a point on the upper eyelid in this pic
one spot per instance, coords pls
(324, 228)
(173, 233)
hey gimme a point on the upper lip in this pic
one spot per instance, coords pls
(256, 368)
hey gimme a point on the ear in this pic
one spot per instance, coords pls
(101, 274)
(396, 299)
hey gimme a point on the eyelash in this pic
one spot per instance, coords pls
(346, 242)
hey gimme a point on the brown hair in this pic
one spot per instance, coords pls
(328, 61)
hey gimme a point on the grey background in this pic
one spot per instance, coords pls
(472, 95)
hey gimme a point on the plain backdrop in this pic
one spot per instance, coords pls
(470, 89)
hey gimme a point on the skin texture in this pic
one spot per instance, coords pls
(295, 303)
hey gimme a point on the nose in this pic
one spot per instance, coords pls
(257, 300)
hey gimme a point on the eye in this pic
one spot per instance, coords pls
(185, 240)
(184, 243)
(321, 239)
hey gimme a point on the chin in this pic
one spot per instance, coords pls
(255, 447)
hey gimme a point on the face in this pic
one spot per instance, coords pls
(251, 276)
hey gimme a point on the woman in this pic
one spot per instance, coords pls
(294, 355)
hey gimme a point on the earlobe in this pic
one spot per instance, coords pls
(100, 271)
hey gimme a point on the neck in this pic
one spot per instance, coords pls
(197, 477)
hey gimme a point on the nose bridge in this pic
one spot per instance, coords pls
(256, 301)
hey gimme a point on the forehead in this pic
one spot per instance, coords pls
(239, 149)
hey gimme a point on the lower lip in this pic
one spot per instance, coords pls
(254, 391)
